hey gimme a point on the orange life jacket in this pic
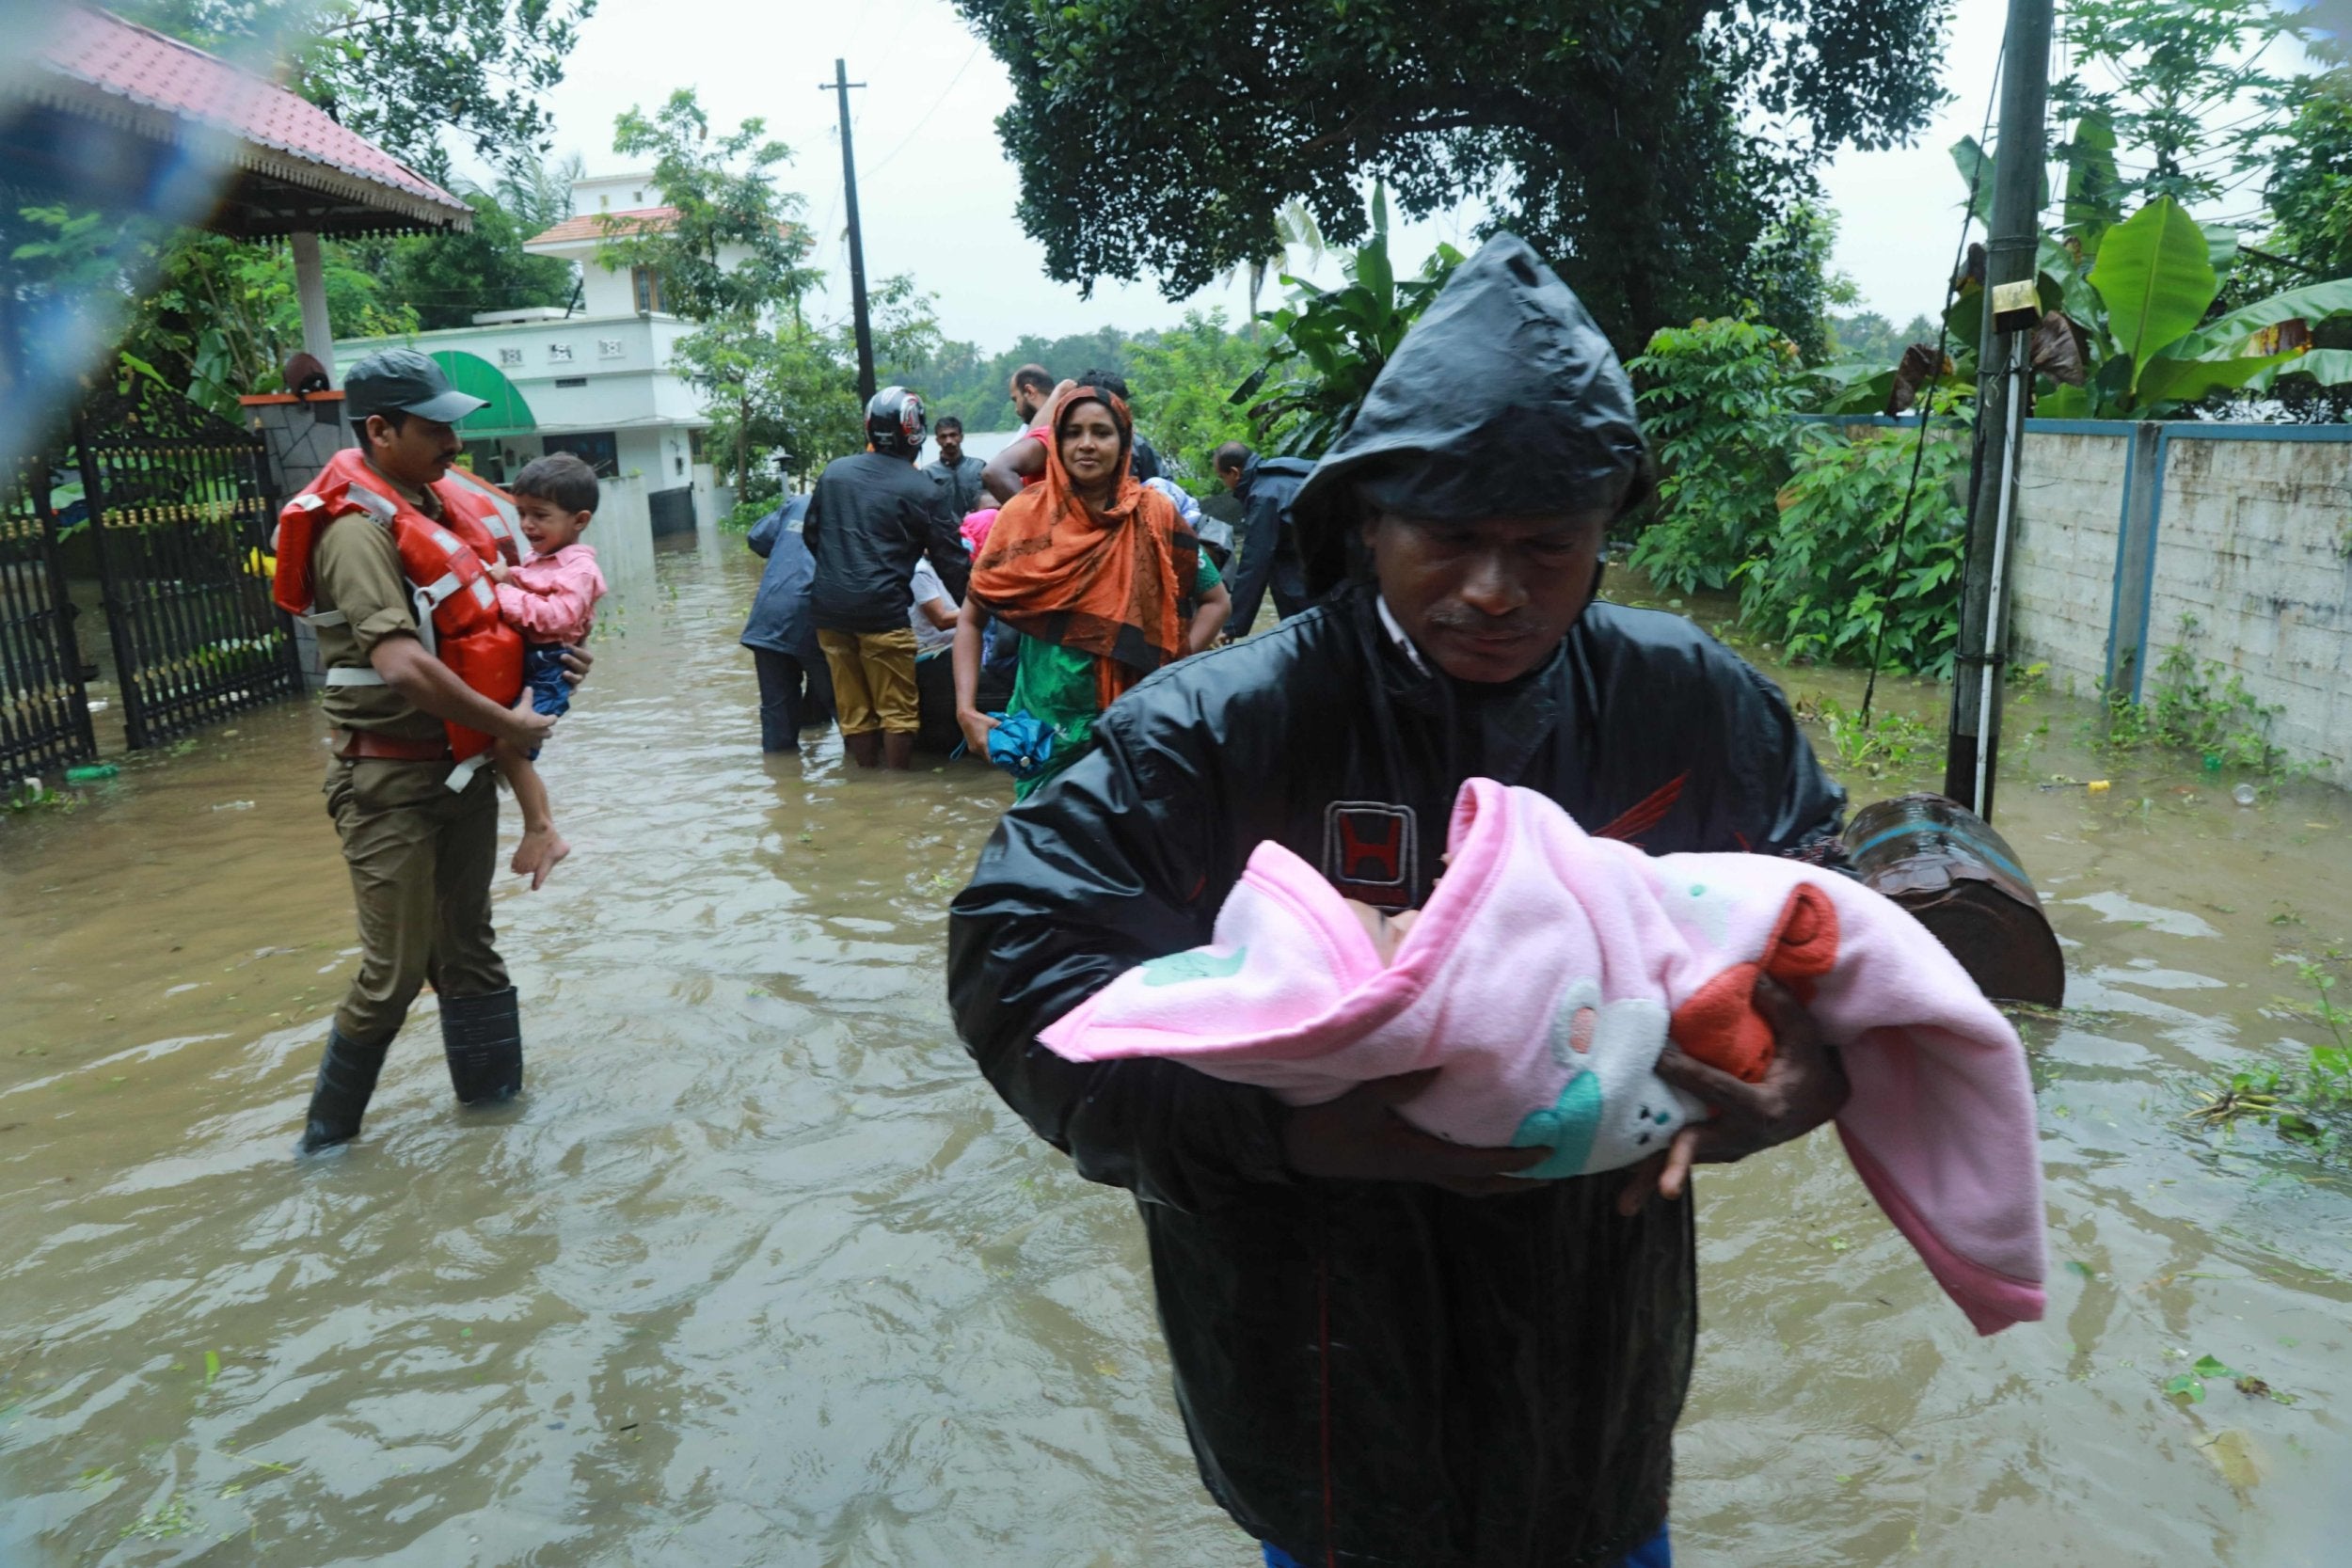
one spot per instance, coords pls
(446, 565)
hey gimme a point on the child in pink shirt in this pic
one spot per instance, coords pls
(551, 599)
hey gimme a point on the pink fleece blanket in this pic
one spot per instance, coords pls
(1545, 974)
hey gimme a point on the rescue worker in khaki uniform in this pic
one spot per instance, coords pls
(418, 827)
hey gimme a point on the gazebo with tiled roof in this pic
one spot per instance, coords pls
(98, 111)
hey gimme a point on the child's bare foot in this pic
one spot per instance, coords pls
(537, 855)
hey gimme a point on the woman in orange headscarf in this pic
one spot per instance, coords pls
(1099, 577)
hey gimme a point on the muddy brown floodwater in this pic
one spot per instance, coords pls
(760, 1273)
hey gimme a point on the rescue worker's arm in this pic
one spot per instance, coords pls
(1005, 473)
(1118, 860)
(430, 686)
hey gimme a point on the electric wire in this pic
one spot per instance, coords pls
(908, 140)
(1901, 531)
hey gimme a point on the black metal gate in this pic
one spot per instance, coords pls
(673, 511)
(45, 710)
(181, 510)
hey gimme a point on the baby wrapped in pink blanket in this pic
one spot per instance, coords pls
(1545, 974)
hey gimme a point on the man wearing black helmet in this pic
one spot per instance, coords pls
(870, 518)
(1390, 1349)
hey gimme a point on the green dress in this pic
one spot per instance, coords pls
(1055, 686)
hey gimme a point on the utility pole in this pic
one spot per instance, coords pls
(2004, 382)
(841, 84)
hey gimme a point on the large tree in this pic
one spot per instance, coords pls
(2197, 92)
(401, 71)
(735, 244)
(448, 278)
(732, 256)
(1645, 146)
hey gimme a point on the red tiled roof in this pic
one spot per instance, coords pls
(96, 62)
(590, 226)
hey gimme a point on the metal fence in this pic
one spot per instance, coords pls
(673, 511)
(45, 709)
(181, 504)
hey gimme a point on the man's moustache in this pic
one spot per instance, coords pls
(1480, 626)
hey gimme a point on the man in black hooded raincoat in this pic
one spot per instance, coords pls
(1387, 1349)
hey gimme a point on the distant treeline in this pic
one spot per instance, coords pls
(959, 379)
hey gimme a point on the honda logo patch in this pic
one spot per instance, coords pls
(1371, 851)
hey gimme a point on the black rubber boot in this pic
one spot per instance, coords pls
(483, 1039)
(347, 1074)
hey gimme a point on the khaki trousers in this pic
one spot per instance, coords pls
(420, 858)
(873, 680)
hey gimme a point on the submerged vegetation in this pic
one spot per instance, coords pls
(2307, 1100)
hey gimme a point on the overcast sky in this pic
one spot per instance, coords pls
(937, 193)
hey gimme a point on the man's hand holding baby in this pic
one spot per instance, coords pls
(1805, 1087)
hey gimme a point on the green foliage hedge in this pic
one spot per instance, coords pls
(1801, 518)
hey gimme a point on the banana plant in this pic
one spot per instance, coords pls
(2125, 333)
(1329, 345)
(2141, 305)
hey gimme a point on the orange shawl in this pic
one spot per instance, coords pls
(1112, 583)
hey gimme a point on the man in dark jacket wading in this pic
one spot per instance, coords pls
(1390, 1349)
(869, 519)
(1266, 541)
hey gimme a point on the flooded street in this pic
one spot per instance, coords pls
(759, 1271)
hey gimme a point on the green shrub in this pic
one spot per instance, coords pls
(747, 514)
(1833, 569)
(2197, 706)
(1715, 401)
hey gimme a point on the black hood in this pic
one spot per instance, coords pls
(1504, 399)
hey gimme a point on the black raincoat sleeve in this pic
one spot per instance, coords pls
(1115, 863)
(1255, 545)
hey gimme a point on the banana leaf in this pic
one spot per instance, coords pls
(2057, 349)
(2329, 366)
(2094, 189)
(2154, 277)
(2172, 381)
(2065, 286)
(2314, 302)
(1868, 395)
(1976, 171)
(2063, 402)
(1964, 321)
(2221, 242)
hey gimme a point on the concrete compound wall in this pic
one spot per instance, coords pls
(2069, 491)
(2125, 530)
